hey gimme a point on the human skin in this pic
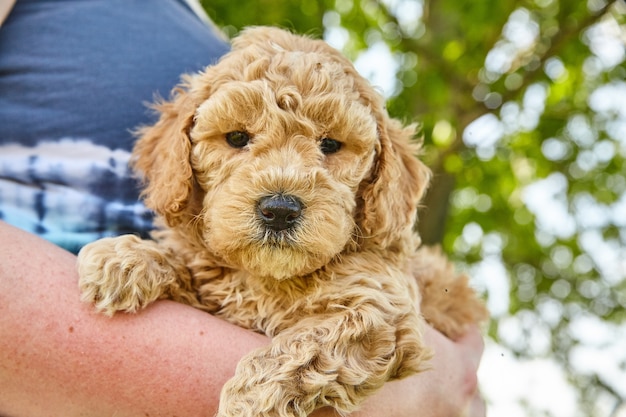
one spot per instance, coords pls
(59, 357)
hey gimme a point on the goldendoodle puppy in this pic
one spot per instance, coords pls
(288, 198)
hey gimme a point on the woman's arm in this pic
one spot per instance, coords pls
(448, 389)
(59, 357)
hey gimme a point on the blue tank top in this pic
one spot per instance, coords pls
(75, 77)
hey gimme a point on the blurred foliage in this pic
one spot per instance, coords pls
(523, 111)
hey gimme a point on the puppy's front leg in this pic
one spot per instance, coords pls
(335, 359)
(126, 273)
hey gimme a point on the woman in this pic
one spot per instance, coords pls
(74, 77)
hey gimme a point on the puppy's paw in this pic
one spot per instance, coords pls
(122, 273)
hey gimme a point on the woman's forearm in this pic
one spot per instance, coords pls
(60, 358)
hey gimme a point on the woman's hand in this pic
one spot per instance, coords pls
(448, 389)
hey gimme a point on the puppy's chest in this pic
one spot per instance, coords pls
(257, 303)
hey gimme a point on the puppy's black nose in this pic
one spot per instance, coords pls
(280, 211)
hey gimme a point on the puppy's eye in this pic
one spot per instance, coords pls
(328, 145)
(237, 139)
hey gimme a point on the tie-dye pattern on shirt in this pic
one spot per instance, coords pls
(70, 192)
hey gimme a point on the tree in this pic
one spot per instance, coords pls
(523, 113)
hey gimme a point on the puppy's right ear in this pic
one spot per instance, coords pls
(161, 156)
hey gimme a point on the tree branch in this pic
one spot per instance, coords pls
(557, 43)
(408, 43)
(434, 213)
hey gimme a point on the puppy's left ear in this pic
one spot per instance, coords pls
(391, 197)
(161, 156)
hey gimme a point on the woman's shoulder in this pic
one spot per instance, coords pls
(86, 69)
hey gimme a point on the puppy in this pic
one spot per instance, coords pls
(287, 197)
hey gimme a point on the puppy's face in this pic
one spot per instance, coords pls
(280, 153)
(281, 157)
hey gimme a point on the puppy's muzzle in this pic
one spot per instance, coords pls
(279, 211)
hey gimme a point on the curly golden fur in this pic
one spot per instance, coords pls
(288, 198)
